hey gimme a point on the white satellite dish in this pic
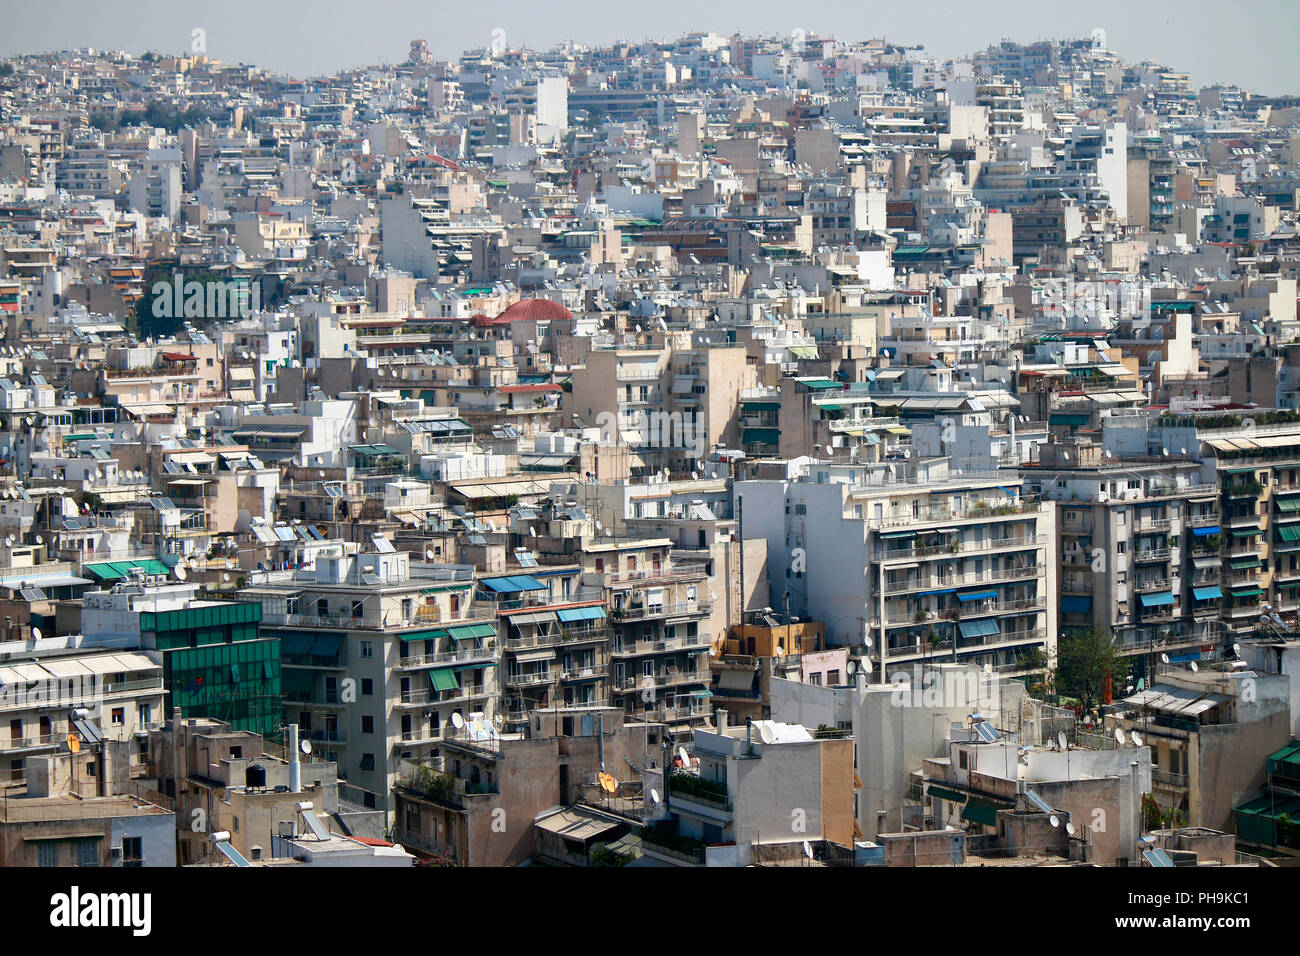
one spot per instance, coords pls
(866, 665)
(36, 634)
(1164, 658)
(230, 564)
(305, 746)
(1236, 648)
(457, 721)
(654, 796)
(1194, 667)
(40, 540)
(225, 577)
(866, 642)
(807, 849)
(685, 758)
(179, 572)
(1054, 820)
(532, 532)
(1069, 829)
(1119, 736)
(1060, 739)
(599, 526)
(428, 553)
(1137, 739)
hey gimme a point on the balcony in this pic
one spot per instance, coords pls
(425, 844)
(573, 635)
(648, 611)
(923, 583)
(627, 685)
(522, 679)
(949, 548)
(638, 648)
(462, 655)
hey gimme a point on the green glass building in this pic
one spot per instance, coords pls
(216, 663)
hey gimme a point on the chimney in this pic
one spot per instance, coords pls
(721, 720)
(295, 768)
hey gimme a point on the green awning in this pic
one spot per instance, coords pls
(981, 811)
(432, 634)
(1288, 504)
(1249, 591)
(1246, 532)
(296, 645)
(943, 793)
(1288, 532)
(114, 570)
(471, 632)
(763, 436)
(1244, 564)
(443, 679)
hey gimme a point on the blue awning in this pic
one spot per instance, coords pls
(981, 628)
(1157, 600)
(1206, 531)
(581, 614)
(1206, 594)
(1007, 491)
(522, 582)
(977, 595)
(938, 591)
(1076, 604)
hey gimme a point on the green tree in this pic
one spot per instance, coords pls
(1087, 665)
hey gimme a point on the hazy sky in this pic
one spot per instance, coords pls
(1246, 42)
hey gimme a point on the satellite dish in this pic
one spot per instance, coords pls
(807, 849)
(36, 634)
(1194, 667)
(1119, 736)
(866, 642)
(866, 665)
(305, 745)
(225, 576)
(428, 553)
(321, 473)
(179, 572)
(607, 782)
(685, 757)
(1236, 648)
(988, 668)
(654, 796)
(1060, 739)
(532, 532)
(1054, 820)
(1164, 658)
(9, 541)
(74, 743)
(40, 540)
(599, 527)
(230, 564)
(1069, 829)
(457, 721)
(1137, 739)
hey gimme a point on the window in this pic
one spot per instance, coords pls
(358, 608)
(47, 853)
(367, 724)
(322, 607)
(367, 687)
(119, 715)
(87, 853)
(132, 851)
(406, 607)
(367, 761)
(367, 649)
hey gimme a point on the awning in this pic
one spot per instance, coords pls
(937, 591)
(1157, 600)
(952, 796)
(1244, 564)
(1245, 591)
(1206, 594)
(981, 811)
(1206, 531)
(1076, 604)
(532, 657)
(1246, 532)
(977, 595)
(522, 582)
(736, 680)
(894, 535)
(568, 615)
(1288, 532)
(984, 627)
(472, 632)
(443, 679)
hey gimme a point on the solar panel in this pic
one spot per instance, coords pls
(314, 824)
(1157, 857)
(382, 544)
(987, 732)
(231, 854)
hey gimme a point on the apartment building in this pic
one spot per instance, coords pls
(380, 655)
(1137, 543)
(918, 565)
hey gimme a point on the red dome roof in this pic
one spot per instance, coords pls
(534, 310)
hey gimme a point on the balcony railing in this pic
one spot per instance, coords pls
(662, 610)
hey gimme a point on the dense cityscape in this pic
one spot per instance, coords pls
(725, 451)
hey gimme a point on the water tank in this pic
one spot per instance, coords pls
(255, 776)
